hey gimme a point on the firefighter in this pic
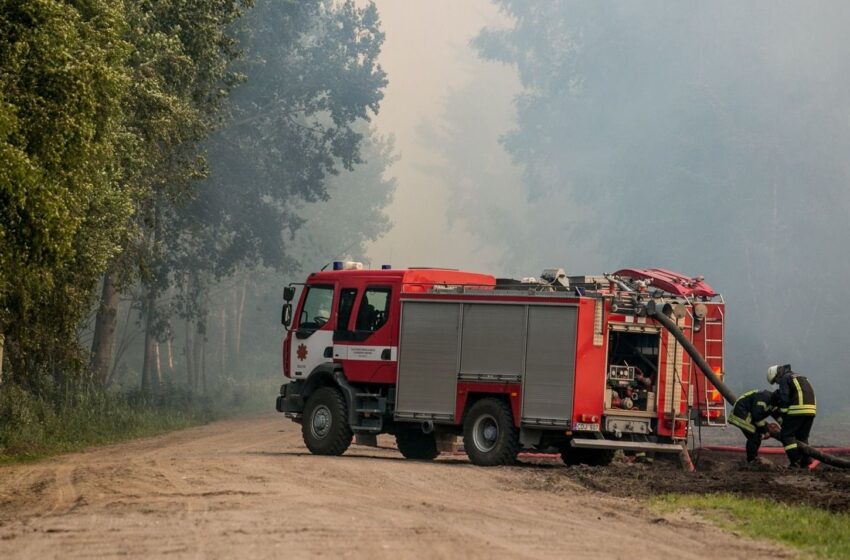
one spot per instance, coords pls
(750, 413)
(797, 405)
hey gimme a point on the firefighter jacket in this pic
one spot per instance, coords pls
(796, 396)
(751, 411)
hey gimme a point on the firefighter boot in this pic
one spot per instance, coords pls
(757, 464)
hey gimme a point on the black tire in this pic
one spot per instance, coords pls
(414, 444)
(592, 457)
(325, 425)
(489, 435)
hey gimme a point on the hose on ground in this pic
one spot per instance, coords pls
(657, 312)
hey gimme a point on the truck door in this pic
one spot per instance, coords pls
(368, 345)
(313, 330)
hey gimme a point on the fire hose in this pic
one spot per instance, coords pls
(659, 313)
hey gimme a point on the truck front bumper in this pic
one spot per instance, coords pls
(290, 401)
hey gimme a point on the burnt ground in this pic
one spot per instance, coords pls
(717, 472)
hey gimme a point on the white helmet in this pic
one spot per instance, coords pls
(774, 372)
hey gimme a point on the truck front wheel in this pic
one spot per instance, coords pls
(325, 427)
(489, 435)
(414, 444)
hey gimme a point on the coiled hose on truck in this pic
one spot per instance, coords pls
(657, 312)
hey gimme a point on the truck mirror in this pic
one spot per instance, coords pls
(286, 314)
(288, 293)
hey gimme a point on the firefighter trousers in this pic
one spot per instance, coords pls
(796, 428)
(753, 444)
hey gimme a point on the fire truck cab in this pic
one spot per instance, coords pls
(574, 364)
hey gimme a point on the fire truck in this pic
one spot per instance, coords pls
(581, 365)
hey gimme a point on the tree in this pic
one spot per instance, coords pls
(61, 211)
(312, 75)
(250, 297)
(312, 81)
(180, 76)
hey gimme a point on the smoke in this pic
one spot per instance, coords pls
(710, 139)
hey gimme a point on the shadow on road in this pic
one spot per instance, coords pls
(445, 459)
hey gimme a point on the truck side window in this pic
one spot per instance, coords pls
(317, 307)
(374, 309)
(346, 306)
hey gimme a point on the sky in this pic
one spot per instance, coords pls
(427, 56)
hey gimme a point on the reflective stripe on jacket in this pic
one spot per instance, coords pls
(751, 411)
(796, 396)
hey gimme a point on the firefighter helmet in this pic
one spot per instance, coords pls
(775, 372)
(771, 374)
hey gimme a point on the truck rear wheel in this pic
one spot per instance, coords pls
(489, 435)
(414, 444)
(325, 426)
(592, 457)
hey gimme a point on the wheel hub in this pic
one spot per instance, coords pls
(485, 433)
(320, 423)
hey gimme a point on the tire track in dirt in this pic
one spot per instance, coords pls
(248, 488)
(65, 495)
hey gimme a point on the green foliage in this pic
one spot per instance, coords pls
(105, 113)
(354, 212)
(62, 79)
(102, 107)
(311, 82)
(311, 75)
(820, 533)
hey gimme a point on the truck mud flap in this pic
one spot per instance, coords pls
(627, 445)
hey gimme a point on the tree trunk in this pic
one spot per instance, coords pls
(2, 344)
(104, 329)
(240, 311)
(223, 341)
(204, 366)
(123, 343)
(188, 350)
(158, 364)
(170, 356)
(197, 356)
(149, 375)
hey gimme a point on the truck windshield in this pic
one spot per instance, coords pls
(317, 307)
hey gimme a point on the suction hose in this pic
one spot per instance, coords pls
(657, 312)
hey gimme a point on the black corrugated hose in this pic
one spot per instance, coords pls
(657, 312)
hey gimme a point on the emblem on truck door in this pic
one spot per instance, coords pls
(301, 352)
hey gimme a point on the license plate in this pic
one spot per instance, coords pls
(585, 427)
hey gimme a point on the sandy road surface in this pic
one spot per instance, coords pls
(247, 489)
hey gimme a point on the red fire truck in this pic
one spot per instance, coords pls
(571, 363)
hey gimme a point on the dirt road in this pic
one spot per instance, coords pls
(248, 489)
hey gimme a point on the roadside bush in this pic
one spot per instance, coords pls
(75, 415)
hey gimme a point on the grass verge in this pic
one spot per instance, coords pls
(33, 426)
(812, 531)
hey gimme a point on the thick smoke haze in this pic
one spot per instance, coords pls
(427, 55)
(706, 138)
